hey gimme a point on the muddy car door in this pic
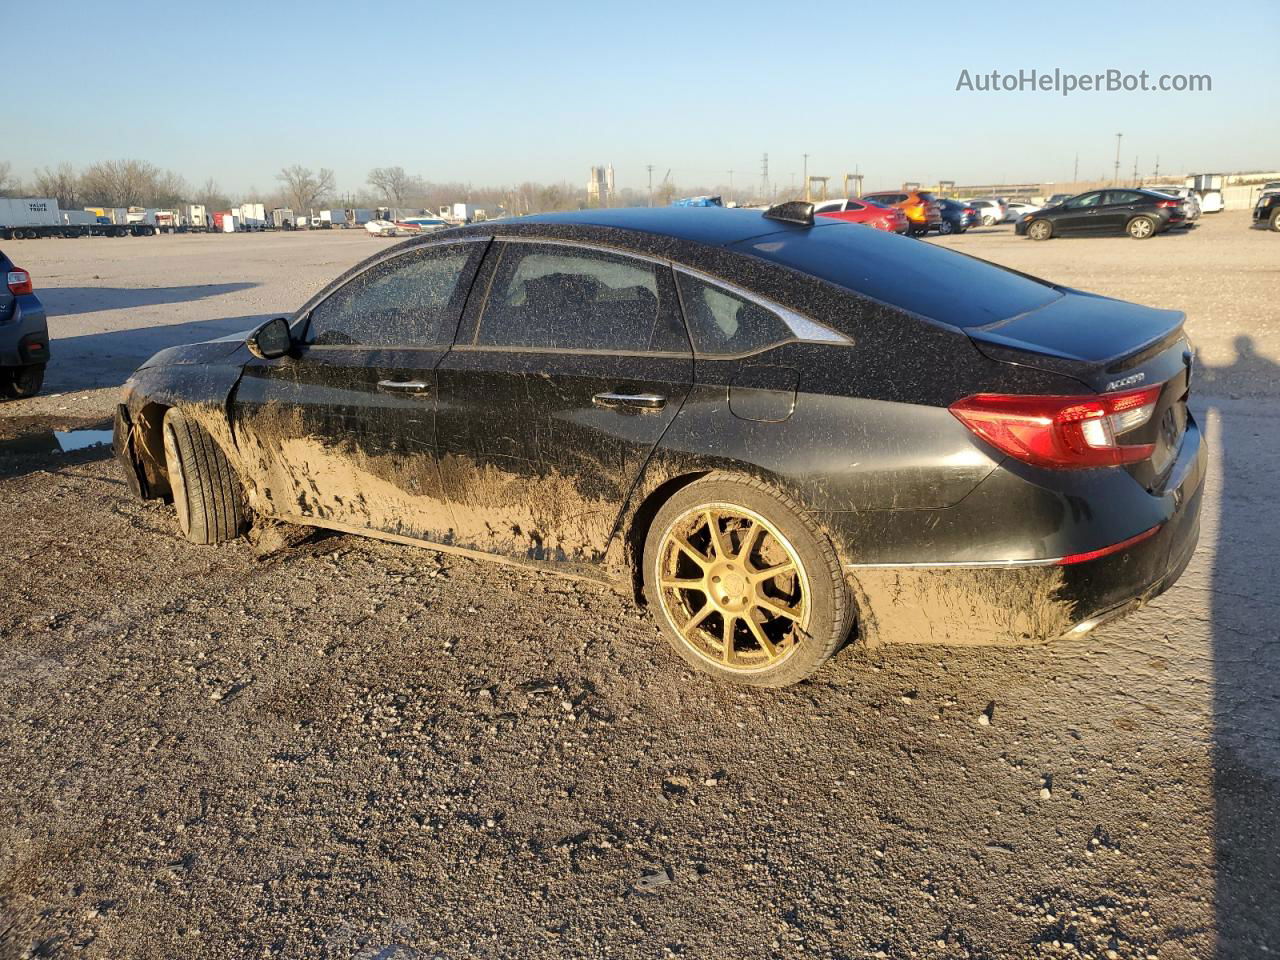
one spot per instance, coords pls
(342, 430)
(560, 385)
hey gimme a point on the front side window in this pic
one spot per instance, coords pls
(724, 324)
(1087, 200)
(555, 297)
(400, 302)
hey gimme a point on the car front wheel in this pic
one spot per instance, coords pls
(1274, 223)
(744, 585)
(206, 491)
(1140, 228)
(1039, 230)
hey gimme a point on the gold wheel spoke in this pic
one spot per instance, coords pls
(748, 541)
(764, 603)
(768, 573)
(696, 620)
(727, 636)
(685, 583)
(694, 553)
(761, 639)
(718, 544)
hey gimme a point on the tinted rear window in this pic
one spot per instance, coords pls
(910, 274)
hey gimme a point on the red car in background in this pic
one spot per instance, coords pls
(865, 211)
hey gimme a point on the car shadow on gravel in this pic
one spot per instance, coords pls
(1246, 657)
(69, 301)
(106, 359)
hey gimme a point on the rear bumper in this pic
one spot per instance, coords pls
(973, 602)
(24, 337)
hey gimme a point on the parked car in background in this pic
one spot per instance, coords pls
(1190, 200)
(990, 212)
(865, 211)
(1139, 213)
(1266, 212)
(1271, 186)
(773, 428)
(957, 217)
(920, 206)
(1057, 198)
(24, 333)
(1018, 208)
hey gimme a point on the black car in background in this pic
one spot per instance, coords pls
(782, 433)
(957, 217)
(24, 333)
(1124, 210)
(1266, 213)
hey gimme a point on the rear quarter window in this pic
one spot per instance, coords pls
(931, 281)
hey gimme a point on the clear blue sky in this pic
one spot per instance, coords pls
(495, 92)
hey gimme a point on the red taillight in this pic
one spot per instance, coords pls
(19, 282)
(1168, 203)
(1061, 432)
(1107, 551)
(970, 211)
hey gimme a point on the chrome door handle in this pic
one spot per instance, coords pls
(636, 401)
(404, 386)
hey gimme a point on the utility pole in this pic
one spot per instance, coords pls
(1157, 173)
(649, 167)
(764, 178)
(806, 176)
(731, 183)
(1075, 175)
(1135, 169)
(1115, 178)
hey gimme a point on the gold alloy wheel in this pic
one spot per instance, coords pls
(732, 587)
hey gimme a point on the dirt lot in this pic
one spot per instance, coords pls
(335, 747)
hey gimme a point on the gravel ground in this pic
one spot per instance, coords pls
(314, 745)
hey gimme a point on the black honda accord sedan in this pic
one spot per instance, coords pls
(783, 434)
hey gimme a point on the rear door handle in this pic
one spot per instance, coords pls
(404, 386)
(634, 401)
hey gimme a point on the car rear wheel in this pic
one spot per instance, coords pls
(945, 227)
(1140, 228)
(1039, 230)
(22, 382)
(1274, 223)
(744, 585)
(206, 491)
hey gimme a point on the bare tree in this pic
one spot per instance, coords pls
(395, 186)
(119, 183)
(62, 183)
(169, 190)
(305, 189)
(211, 196)
(10, 186)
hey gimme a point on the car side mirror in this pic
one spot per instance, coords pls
(271, 340)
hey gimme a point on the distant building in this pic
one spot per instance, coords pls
(600, 185)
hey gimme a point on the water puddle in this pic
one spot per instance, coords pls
(69, 440)
(55, 441)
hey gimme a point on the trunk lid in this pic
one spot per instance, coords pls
(1109, 346)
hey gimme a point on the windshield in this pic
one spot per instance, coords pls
(931, 281)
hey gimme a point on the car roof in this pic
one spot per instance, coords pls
(710, 226)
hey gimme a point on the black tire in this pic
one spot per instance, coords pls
(946, 227)
(22, 382)
(1274, 222)
(1039, 229)
(1141, 228)
(819, 580)
(206, 491)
